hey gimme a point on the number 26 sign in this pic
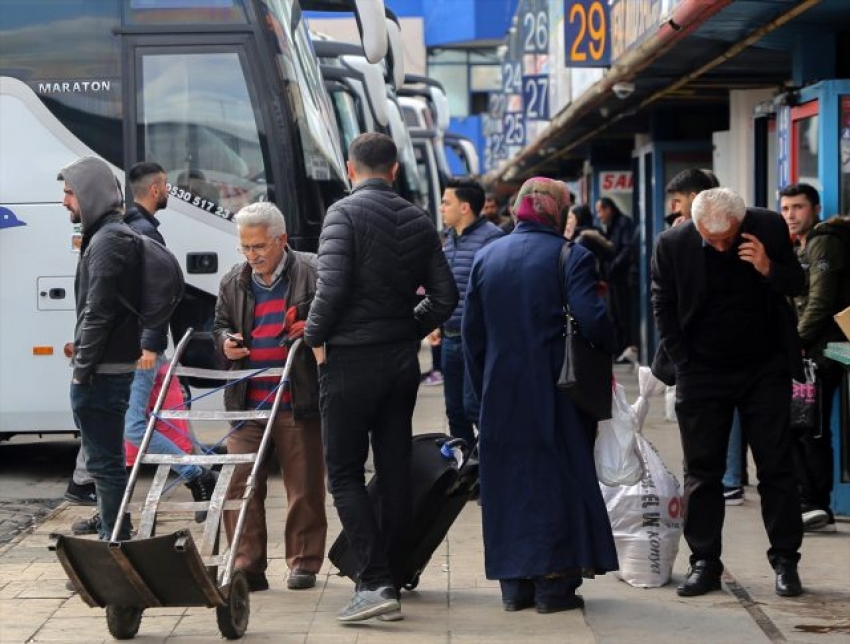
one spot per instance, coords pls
(587, 33)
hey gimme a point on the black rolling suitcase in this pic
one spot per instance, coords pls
(440, 487)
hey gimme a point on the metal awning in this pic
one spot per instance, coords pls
(706, 49)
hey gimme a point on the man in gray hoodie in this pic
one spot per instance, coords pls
(106, 336)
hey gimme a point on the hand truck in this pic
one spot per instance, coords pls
(173, 570)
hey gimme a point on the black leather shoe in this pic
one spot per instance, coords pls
(257, 581)
(556, 605)
(702, 578)
(300, 579)
(513, 606)
(788, 582)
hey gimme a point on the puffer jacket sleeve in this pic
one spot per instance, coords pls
(335, 270)
(441, 294)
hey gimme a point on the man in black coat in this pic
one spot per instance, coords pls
(365, 325)
(719, 289)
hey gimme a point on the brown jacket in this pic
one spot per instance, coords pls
(234, 313)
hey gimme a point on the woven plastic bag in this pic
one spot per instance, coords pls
(647, 518)
(615, 451)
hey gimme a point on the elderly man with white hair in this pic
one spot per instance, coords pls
(720, 285)
(262, 305)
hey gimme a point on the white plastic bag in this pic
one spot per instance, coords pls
(649, 386)
(647, 517)
(670, 404)
(647, 520)
(615, 452)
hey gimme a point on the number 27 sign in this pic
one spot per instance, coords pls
(587, 33)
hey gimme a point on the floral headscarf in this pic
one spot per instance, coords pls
(543, 200)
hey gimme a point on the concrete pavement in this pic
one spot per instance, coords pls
(454, 601)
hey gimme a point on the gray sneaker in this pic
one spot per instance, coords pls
(395, 616)
(87, 526)
(369, 603)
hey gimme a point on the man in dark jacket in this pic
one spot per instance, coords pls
(376, 249)
(467, 233)
(719, 284)
(822, 249)
(106, 337)
(262, 303)
(147, 182)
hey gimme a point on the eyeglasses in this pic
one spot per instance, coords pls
(259, 249)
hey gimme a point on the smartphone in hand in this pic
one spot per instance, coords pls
(239, 342)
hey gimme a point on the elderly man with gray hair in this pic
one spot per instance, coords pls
(261, 308)
(720, 285)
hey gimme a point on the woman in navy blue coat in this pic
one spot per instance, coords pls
(544, 520)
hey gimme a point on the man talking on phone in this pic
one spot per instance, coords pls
(262, 304)
(719, 289)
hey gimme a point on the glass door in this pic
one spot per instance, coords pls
(805, 144)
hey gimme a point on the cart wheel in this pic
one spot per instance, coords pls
(233, 616)
(123, 621)
(413, 583)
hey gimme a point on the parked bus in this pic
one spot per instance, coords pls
(364, 100)
(225, 94)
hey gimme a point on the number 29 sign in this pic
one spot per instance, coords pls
(587, 33)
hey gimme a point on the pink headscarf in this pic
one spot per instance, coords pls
(543, 200)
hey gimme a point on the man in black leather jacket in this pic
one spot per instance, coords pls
(365, 324)
(106, 337)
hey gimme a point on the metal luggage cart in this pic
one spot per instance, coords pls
(148, 571)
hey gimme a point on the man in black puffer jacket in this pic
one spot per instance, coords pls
(365, 324)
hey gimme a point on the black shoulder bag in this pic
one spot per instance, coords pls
(587, 373)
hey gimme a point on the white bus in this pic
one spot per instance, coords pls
(225, 94)
(364, 100)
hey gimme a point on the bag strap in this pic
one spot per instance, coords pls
(563, 258)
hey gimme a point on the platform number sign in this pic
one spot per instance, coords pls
(587, 34)
(534, 24)
(535, 97)
(534, 29)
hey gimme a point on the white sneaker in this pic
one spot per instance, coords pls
(395, 616)
(369, 603)
(815, 519)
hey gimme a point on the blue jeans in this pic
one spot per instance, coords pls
(732, 477)
(137, 420)
(99, 407)
(462, 407)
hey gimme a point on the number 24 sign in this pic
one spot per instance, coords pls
(587, 33)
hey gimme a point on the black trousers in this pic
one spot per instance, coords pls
(368, 392)
(813, 455)
(705, 400)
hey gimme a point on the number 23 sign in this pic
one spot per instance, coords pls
(587, 33)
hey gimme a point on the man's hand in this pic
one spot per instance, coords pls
(233, 351)
(435, 338)
(293, 327)
(147, 361)
(319, 353)
(752, 251)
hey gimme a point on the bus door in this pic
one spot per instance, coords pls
(194, 104)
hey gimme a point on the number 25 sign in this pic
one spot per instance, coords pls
(587, 33)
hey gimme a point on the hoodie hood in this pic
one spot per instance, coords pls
(96, 188)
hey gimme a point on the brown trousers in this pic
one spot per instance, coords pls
(298, 446)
